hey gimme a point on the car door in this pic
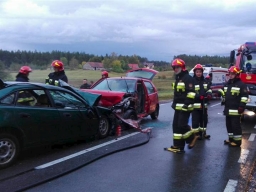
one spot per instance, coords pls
(151, 98)
(75, 119)
(37, 123)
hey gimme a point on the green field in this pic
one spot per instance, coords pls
(162, 80)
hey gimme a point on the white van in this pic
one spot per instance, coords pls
(219, 77)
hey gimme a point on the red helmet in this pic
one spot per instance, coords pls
(58, 64)
(198, 66)
(25, 70)
(207, 77)
(234, 69)
(178, 63)
(105, 73)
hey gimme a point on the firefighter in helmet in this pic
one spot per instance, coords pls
(203, 94)
(184, 95)
(23, 74)
(59, 73)
(104, 74)
(234, 98)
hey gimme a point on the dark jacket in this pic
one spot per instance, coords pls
(236, 95)
(85, 86)
(184, 91)
(21, 77)
(202, 89)
(55, 76)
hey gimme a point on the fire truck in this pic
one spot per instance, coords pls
(245, 58)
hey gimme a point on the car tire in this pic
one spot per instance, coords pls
(104, 127)
(129, 114)
(9, 149)
(155, 114)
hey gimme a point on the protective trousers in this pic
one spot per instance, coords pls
(182, 129)
(234, 129)
(199, 121)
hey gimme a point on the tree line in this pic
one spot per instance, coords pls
(13, 60)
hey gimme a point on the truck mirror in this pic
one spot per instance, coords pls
(249, 57)
(232, 57)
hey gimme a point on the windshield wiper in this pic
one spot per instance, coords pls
(108, 85)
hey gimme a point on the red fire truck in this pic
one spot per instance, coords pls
(245, 58)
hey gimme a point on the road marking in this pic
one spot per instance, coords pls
(83, 152)
(220, 113)
(215, 105)
(231, 185)
(252, 136)
(243, 156)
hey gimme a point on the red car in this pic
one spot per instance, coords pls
(135, 94)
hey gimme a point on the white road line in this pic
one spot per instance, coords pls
(83, 152)
(215, 105)
(252, 136)
(231, 185)
(243, 156)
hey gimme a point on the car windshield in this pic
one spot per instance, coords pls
(123, 85)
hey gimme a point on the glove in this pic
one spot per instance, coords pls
(201, 97)
(184, 107)
(223, 101)
(240, 110)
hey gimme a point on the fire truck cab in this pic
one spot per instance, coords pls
(245, 59)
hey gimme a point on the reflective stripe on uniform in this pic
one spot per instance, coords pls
(188, 134)
(202, 129)
(197, 87)
(205, 86)
(180, 105)
(180, 86)
(225, 89)
(177, 136)
(244, 99)
(230, 135)
(237, 137)
(173, 84)
(233, 112)
(197, 105)
(221, 92)
(235, 90)
(195, 130)
(191, 95)
(209, 91)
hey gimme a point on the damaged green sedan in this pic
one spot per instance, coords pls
(35, 114)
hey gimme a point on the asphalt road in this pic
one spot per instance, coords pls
(210, 166)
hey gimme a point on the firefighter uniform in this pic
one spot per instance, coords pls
(234, 98)
(59, 73)
(184, 95)
(199, 114)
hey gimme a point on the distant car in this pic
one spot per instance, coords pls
(136, 92)
(35, 114)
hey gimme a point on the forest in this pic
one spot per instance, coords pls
(13, 60)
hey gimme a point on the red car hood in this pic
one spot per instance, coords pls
(108, 98)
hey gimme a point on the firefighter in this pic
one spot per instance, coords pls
(23, 74)
(104, 74)
(234, 98)
(184, 95)
(59, 73)
(203, 95)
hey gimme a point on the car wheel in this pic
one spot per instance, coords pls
(9, 150)
(129, 114)
(104, 127)
(155, 114)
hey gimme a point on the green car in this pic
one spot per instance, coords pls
(35, 114)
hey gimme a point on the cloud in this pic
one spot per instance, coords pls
(157, 29)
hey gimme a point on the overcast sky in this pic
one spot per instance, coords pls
(156, 29)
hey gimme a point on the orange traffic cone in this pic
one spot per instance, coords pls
(118, 130)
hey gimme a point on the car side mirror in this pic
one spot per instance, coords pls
(59, 104)
(232, 57)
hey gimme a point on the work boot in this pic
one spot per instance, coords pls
(207, 136)
(193, 142)
(226, 142)
(175, 149)
(233, 144)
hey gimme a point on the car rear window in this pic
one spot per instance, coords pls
(123, 85)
